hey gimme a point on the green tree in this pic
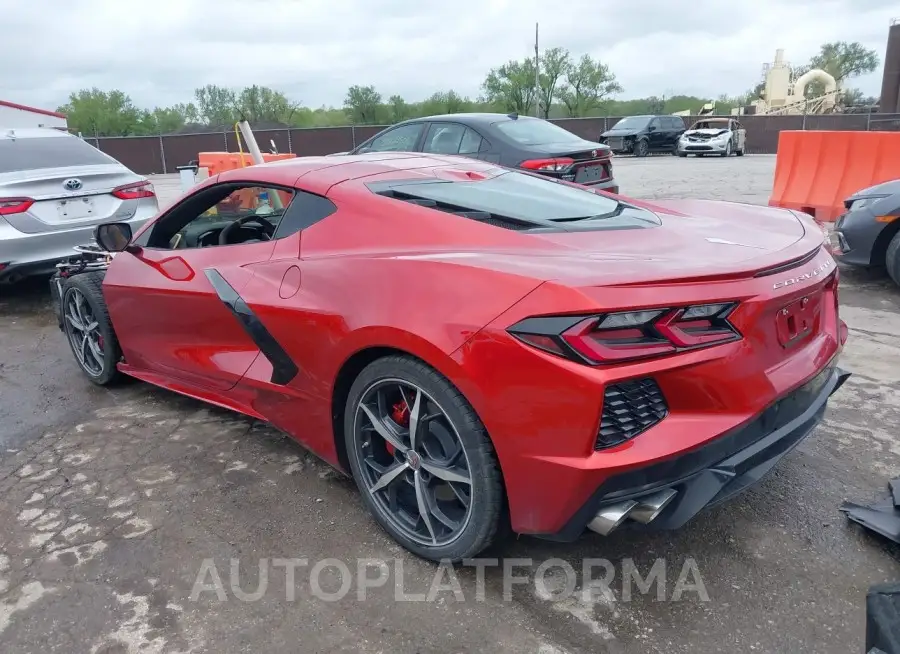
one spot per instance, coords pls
(555, 65)
(217, 105)
(261, 104)
(511, 86)
(842, 60)
(363, 105)
(590, 83)
(398, 109)
(102, 113)
(439, 103)
(162, 120)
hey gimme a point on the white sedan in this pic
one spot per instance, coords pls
(721, 136)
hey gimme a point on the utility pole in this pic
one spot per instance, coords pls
(537, 75)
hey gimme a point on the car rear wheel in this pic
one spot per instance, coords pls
(892, 259)
(88, 328)
(642, 148)
(422, 460)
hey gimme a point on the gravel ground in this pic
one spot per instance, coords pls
(123, 508)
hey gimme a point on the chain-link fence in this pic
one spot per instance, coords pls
(163, 154)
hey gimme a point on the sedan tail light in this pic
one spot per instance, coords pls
(629, 335)
(554, 164)
(134, 191)
(9, 206)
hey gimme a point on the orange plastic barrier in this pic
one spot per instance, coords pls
(218, 162)
(816, 171)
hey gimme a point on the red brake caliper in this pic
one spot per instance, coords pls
(400, 415)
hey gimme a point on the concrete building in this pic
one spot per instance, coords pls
(18, 115)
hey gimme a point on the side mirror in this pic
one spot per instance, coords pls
(113, 237)
(652, 128)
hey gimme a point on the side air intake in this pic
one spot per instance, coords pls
(629, 409)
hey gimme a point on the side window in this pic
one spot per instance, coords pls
(444, 138)
(471, 142)
(676, 123)
(655, 123)
(223, 214)
(399, 139)
(304, 210)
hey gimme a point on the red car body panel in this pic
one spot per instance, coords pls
(379, 273)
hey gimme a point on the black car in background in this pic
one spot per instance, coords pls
(868, 234)
(509, 140)
(641, 135)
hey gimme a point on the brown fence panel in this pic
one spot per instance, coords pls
(884, 123)
(762, 131)
(181, 149)
(139, 153)
(586, 128)
(263, 136)
(322, 140)
(362, 133)
(837, 122)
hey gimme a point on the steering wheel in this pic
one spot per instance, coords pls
(227, 230)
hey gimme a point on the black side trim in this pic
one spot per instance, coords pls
(283, 367)
(789, 265)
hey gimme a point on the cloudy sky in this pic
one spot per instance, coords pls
(158, 52)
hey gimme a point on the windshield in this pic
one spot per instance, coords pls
(633, 122)
(711, 124)
(48, 152)
(514, 195)
(534, 131)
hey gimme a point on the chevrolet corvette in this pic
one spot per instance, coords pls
(483, 350)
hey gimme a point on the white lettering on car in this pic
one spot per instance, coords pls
(802, 278)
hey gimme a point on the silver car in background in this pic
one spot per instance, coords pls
(54, 189)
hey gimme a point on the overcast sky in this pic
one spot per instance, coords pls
(158, 52)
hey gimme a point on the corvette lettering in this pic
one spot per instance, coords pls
(815, 272)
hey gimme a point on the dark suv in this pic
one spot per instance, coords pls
(641, 135)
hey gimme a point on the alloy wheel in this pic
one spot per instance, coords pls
(413, 463)
(83, 331)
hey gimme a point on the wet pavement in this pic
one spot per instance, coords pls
(134, 520)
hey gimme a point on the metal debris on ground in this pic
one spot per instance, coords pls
(882, 517)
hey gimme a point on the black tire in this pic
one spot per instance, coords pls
(739, 153)
(892, 259)
(484, 513)
(89, 286)
(681, 153)
(727, 150)
(642, 148)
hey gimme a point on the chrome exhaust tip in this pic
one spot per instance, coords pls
(650, 507)
(611, 517)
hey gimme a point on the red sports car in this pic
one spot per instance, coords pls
(480, 348)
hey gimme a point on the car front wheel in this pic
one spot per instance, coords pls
(88, 328)
(422, 460)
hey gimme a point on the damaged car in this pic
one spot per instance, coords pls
(719, 136)
(483, 350)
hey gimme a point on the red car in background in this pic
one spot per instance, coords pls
(478, 347)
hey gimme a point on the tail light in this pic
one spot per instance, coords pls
(552, 165)
(629, 335)
(134, 191)
(9, 206)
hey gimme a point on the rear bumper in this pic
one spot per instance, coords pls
(25, 255)
(718, 470)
